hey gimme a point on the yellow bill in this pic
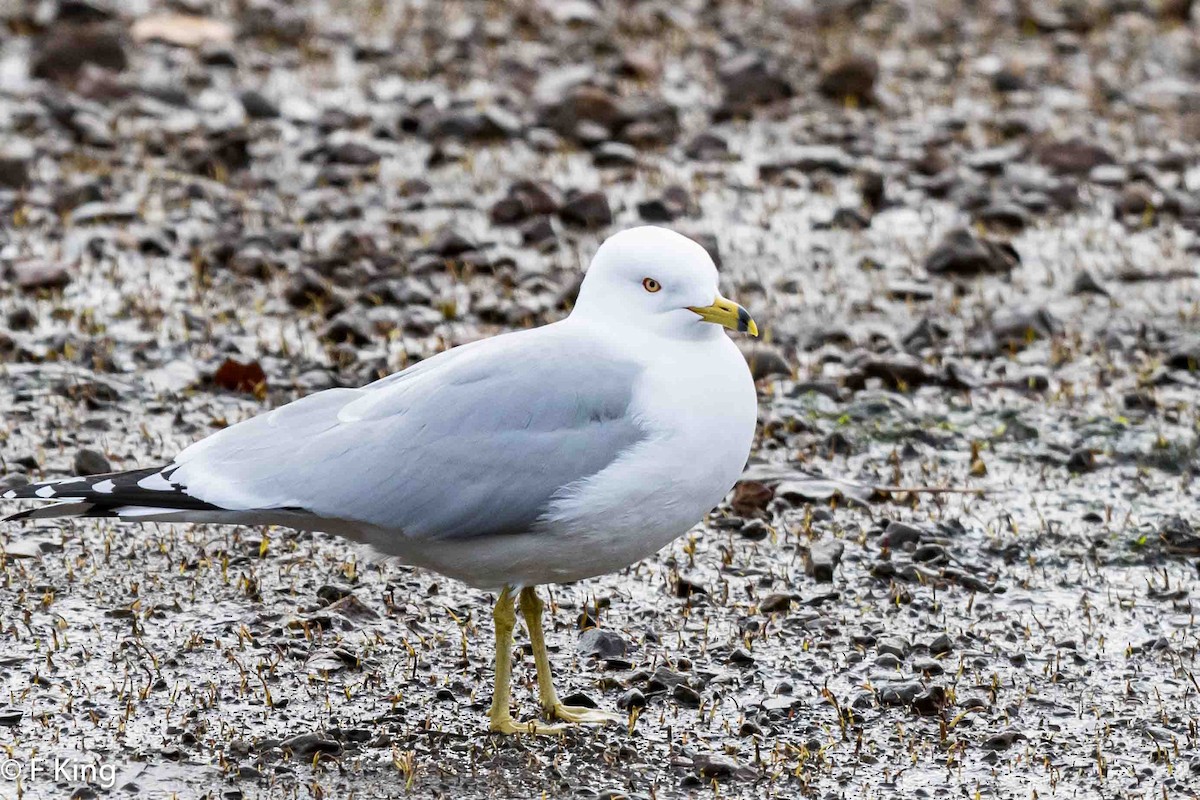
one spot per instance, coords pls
(727, 313)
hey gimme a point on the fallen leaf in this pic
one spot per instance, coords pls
(750, 497)
(238, 377)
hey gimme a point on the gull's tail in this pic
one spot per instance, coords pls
(130, 494)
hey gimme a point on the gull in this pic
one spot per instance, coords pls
(540, 456)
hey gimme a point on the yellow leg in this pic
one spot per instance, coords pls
(531, 609)
(500, 717)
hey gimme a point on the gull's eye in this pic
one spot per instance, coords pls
(651, 285)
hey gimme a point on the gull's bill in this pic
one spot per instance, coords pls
(727, 313)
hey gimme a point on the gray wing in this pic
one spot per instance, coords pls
(473, 442)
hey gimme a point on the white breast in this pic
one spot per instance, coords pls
(699, 404)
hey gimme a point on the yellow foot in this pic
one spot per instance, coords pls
(583, 715)
(508, 726)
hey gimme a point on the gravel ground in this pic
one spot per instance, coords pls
(962, 559)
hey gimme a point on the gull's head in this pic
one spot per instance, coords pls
(658, 280)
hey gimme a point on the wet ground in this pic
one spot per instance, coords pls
(963, 558)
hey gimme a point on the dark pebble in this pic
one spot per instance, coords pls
(580, 699)
(961, 253)
(66, 49)
(632, 698)
(894, 645)
(90, 462)
(685, 695)
(824, 558)
(257, 106)
(1081, 460)
(305, 745)
(851, 78)
(602, 644)
(587, 210)
(750, 80)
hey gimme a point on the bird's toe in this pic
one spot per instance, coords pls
(584, 716)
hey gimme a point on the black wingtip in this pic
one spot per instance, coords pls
(53, 511)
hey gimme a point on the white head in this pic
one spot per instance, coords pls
(659, 281)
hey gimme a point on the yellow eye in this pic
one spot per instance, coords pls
(651, 285)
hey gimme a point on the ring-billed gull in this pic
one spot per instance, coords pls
(539, 456)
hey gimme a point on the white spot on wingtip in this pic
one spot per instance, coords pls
(104, 487)
(133, 512)
(45, 491)
(156, 483)
(10, 494)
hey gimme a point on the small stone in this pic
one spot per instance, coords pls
(852, 78)
(930, 552)
(331, 593)
(1081, 460)
(707, 146)
(450, 243)
(749, 728)
(602, 644)
(900, 694)
(15, 163)
(1139, 401)
(741, 658)
(305, 745)
(685, 695)
(1015, 329)
(1073, 156)
(887, 661)
(1003, 740)
(1135, 200)
(755, 530)
(686, 587)
(898, 534)
(930, 703)
(663, 679)
(34, 274)
(508, 211)
(894, 645)
(580, 699)
(22, 318)
(354, 154)
(942, 644)
(824, 558)
(614, 154)
(257, 106)
(1087, 283)
(570, 111)
(716, 766)
(1008, 216)
(808, 159)
(587, 210)
(960, 253)
(749, 80)
(64, 52)
(91, 462)
(538, 232)
(632, 698)
(778, 603)
(927, 666)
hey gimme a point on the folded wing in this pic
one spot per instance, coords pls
(473, 442)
